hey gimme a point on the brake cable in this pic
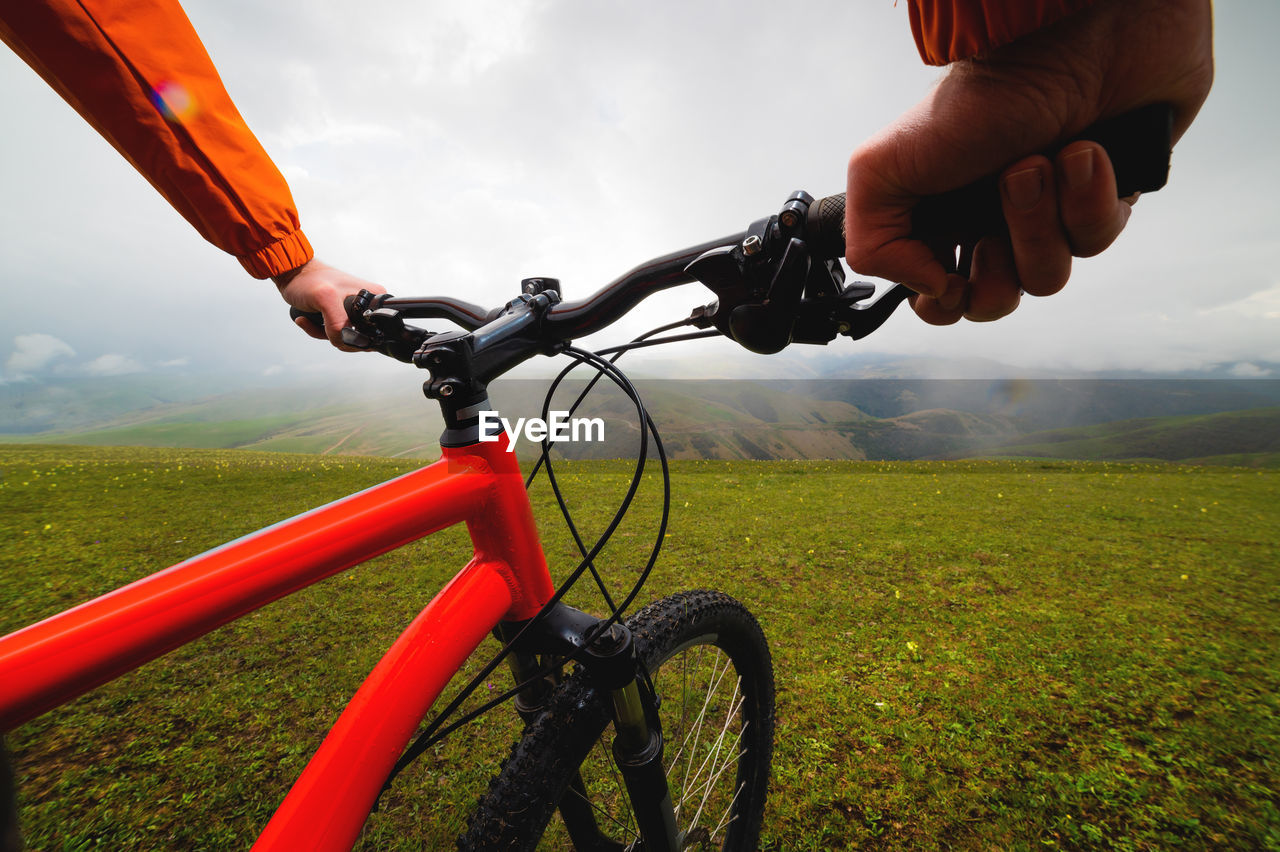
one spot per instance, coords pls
(436, 730)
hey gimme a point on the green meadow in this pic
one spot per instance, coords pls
(969, 655)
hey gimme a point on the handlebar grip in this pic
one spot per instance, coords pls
(1138, 143)
(350, 336)
(315, 316)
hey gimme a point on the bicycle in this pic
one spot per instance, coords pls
(685, 682)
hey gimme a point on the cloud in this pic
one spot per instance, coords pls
(33, 353)
(1265, 304)
(1246, 370)
(455, 148)
(113, 365)
(325, 130)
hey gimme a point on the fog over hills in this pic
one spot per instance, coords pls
(871, 408)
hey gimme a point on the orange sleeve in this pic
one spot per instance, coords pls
(137, 72)
(950, 30)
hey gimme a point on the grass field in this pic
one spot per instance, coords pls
(970, 655)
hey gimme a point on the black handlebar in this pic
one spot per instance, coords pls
(566, 320)
(776, 283)
(456, 311)
(569, 320)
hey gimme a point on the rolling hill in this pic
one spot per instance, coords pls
(1232, 437)
(1228, 422)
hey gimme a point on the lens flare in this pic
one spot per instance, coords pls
(174, 101)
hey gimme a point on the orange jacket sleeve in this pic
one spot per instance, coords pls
(137, 72)
(950, 30)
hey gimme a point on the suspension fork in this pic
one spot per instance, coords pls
(637, 744)
(610, 658)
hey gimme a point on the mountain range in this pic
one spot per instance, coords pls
(1173, 418)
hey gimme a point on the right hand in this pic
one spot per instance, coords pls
(990, 116)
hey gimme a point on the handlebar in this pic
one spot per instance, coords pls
(609, 304)
(567, 320)
(779, 282)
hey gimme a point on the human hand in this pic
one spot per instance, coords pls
(316, 287)
(989, 116)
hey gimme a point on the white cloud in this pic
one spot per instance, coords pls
(113, 365)
(1246, 370)
(455, 148)
(33, 353)
(1265, 304)
(324, 130)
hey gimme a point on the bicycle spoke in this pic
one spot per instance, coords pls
(735, 704)
(717, 674)
(599, 809)
(712, 757)
(729, 814)
(707, 748)
(708, 787)
(620, 786)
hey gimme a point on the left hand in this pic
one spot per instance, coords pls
(318, 287)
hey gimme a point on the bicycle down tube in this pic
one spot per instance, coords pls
(51, 662)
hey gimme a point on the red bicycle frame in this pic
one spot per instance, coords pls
(49, 663)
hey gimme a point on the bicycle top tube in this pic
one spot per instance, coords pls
(52, 661)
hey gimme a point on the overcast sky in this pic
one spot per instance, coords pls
(454, 148)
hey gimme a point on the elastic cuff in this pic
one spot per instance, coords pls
(947, 31)
(278, 258)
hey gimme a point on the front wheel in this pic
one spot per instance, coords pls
(712, 675)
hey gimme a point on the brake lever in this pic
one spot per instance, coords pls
(864, 319)
(773, 292)
(350, 337)
(374, 327)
